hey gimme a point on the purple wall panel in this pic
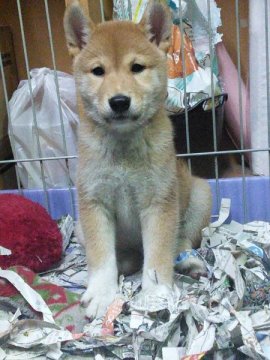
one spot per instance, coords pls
(257, 198)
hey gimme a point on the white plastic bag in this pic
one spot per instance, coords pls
(49, 128)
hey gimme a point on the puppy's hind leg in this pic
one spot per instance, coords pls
(196, 217)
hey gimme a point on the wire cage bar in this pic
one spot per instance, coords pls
(36, 129)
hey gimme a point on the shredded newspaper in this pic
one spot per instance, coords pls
(225, 314)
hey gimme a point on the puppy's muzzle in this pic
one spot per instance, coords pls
(119, 103)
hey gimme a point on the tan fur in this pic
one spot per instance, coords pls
(136, 200)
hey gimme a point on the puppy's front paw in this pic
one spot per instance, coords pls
(98, 302)
(98, 296)
(157, 290)
(151, 285)
(154, 297)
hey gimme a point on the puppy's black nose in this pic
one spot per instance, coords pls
(119, 103)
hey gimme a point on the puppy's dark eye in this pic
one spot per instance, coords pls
(137, 68)
(98, 71)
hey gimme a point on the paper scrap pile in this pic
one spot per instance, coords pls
(224, 315)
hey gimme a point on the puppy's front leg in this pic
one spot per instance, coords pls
(99, 233)
(159, 225)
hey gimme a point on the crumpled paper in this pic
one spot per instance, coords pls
(224, 314)
(15, 331)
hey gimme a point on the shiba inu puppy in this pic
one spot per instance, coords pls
(139, 206)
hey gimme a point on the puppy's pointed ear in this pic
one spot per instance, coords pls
(78, 28)
(156, 24)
